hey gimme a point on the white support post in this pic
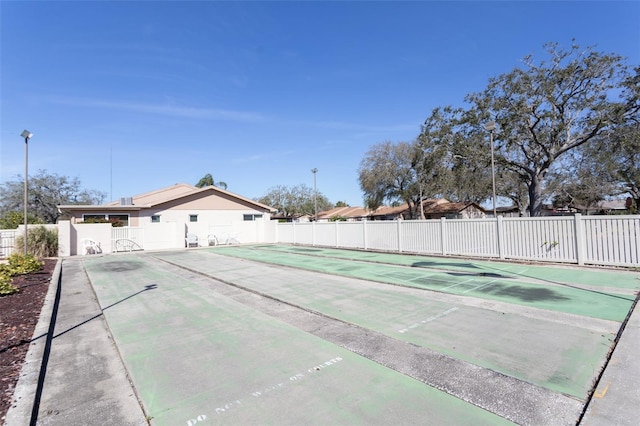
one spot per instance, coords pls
(293, 225)
(443, 240)
(578, 229)
(500, 237)
(399, 231)
(64, 238)
(364, 233)
(276, 233)
(313, 233)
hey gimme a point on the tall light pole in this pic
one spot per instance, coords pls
(419, 177)
(26, 135)
(315, 195)
(490, 127)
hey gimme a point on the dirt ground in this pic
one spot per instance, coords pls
(19, 315)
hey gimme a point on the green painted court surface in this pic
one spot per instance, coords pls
(200, 336)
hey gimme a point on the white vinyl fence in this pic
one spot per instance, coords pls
(7, 242)
(596, 240)
(127, 238)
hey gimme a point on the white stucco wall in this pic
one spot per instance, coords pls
(163, 235)
(222, 223)
(98, 232)
(170, 232)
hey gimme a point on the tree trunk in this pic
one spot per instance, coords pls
(535, 196)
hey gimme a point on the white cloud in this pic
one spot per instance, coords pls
(262, 157)
(163, 109)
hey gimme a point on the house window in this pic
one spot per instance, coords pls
(122, 218)
(155, 218)
(193, 218)
(252, 217)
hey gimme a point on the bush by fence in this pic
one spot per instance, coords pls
(41, 242)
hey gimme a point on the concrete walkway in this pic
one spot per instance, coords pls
(73, 375)
(616, 400)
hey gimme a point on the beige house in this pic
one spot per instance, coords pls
(181, 210)
(343, 213)
(435, 208)
(451, 210)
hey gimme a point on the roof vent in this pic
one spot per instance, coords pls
(126, 201)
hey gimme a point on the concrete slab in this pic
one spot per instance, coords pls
(617, 397)
(564, 354)
(512, 399)
(215, 341)
(197, 355)
(513, 288)
(552, 272)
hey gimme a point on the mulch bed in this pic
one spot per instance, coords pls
(19, 314)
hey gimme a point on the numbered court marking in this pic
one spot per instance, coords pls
(257, 394)
(428, 320)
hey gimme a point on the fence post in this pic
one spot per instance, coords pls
(293, 231)
(364, 233)
(442, 235)
(337, 234)
(500, 237)
(580, 238)
(399, 230)
(313, 233)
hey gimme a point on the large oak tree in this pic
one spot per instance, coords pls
(297, 200)
(46, 191)
(547, 109)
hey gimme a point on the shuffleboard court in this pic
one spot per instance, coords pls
(556, 351)
(599, 278)
(196, 356)
(276, 334)
(593, 293)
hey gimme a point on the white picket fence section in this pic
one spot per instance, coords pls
(595, 240)
(7, 242)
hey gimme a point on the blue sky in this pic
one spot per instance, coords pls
(134, 96)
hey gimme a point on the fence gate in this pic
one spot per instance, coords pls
(127, 238)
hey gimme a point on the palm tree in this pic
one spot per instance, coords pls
(207, 180)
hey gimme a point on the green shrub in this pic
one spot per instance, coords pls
(6, 286)
(116, 223)
(20, 264)
(43, 242)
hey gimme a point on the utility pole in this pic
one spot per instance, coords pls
(315, 195)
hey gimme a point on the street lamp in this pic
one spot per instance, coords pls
(419, 177)
(315, 195)
(490, 127)
(26, 135)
